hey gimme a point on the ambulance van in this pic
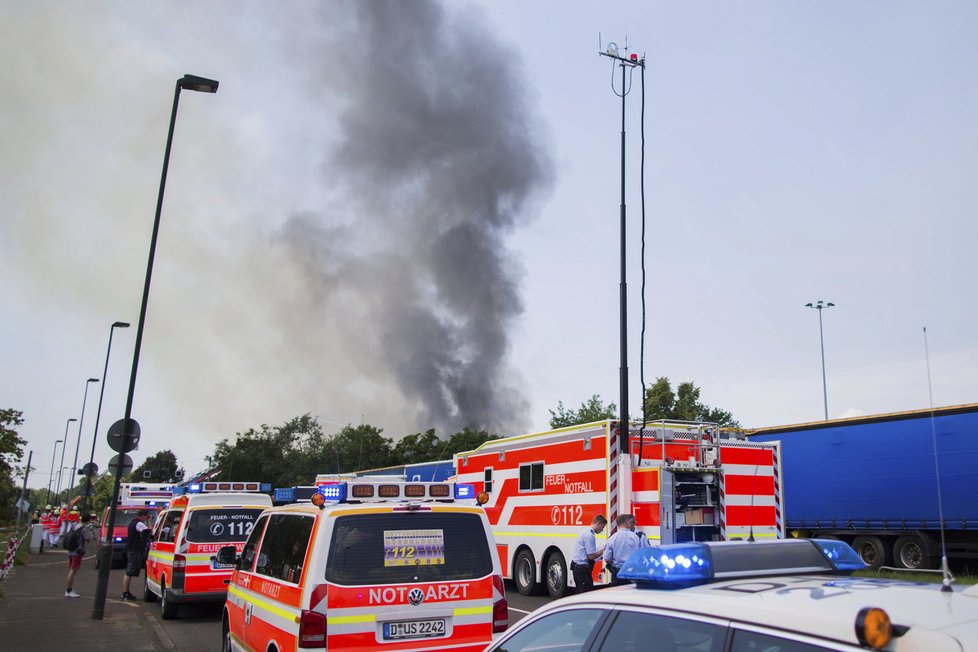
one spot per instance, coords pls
(368, 566)
(181, 567)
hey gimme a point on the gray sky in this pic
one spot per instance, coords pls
(408, 215)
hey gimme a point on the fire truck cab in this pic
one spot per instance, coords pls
(181, 567)
(682, 481)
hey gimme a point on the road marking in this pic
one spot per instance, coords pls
(520, 611)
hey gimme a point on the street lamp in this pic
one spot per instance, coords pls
(61, 466)
(51, 474)
(98, 413)
(190, 83)
(78, 442)
(819, 306)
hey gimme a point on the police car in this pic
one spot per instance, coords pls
(774, 596)
(368, 566)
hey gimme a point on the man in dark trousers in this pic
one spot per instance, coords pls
(585, 553)
(137, 549)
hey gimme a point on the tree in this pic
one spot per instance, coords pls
(11, 452)
(419, 447)
(465, 440)
(592, 409)
(162, 467)
(682, 405)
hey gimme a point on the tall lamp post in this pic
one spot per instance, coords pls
(819, 306)
(62, 463)
(78, 441)
(98, 413)
(190, 83)
(51, 474)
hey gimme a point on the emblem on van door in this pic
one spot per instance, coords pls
(416, 597)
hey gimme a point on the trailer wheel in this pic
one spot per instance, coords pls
(911, 552)
(525, 572)
(556, 574)
(873, 551)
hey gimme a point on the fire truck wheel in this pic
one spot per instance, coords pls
(148, 595)
(168, 610)
(556, 574)
(911, 552)
(524, 573)
(872, 551)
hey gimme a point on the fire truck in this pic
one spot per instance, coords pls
(682, 481)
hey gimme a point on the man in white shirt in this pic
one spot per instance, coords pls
(585, 554)
(620, 546)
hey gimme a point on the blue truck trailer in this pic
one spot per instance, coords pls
(872, 482)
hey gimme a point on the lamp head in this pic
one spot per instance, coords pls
(199, 84)
(120, 324)
(92, 380)
(72, 419)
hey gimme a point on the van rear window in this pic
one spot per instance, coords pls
(399, 547)
(221, 525)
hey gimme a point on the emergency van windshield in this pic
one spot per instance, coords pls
(404, 547)
(221, 524)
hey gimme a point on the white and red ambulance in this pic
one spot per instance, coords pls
(368, 566)
(682, 481)
(181, 567)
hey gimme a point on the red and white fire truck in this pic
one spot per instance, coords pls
(682, 481)
(148, 494)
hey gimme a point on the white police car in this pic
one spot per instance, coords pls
(776, 596)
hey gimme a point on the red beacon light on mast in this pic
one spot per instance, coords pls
(633, 57)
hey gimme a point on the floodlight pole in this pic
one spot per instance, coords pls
(819, 305)
(630, 63)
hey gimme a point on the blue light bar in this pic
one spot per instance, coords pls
(464, 492)
(670, 566)
(194, 488)
(333, 492)
(840, 555)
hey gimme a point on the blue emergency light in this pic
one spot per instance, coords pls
(194, 488)
(686, 564)
(464, 492)
(335, 493)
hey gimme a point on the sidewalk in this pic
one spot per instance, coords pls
(35, 614)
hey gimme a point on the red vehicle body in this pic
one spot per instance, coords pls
(119, 537)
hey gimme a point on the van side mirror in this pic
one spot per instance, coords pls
(227, 555)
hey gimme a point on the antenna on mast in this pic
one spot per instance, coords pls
(948, 578)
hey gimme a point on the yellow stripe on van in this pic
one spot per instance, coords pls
(472, 611)
(350, 620)
(263, 604)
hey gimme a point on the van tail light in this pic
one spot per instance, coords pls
(312, 629)
(500, 607)
(179, 563)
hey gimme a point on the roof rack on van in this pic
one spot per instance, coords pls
(373, 491)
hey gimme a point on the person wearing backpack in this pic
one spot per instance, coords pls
(74, 542)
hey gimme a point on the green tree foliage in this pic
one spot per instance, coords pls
(162, 467)
(682, 405)
(295, 452)
(101, 493)
(592, 409)
(11, 453)
(419, 447)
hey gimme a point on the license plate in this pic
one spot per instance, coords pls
(414, 629)
(217, 566)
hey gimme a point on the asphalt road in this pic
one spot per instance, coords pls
(198, 625)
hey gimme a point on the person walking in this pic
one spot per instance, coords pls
(620, 547)
(585, 554)
(137, 550)
(76, 540)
